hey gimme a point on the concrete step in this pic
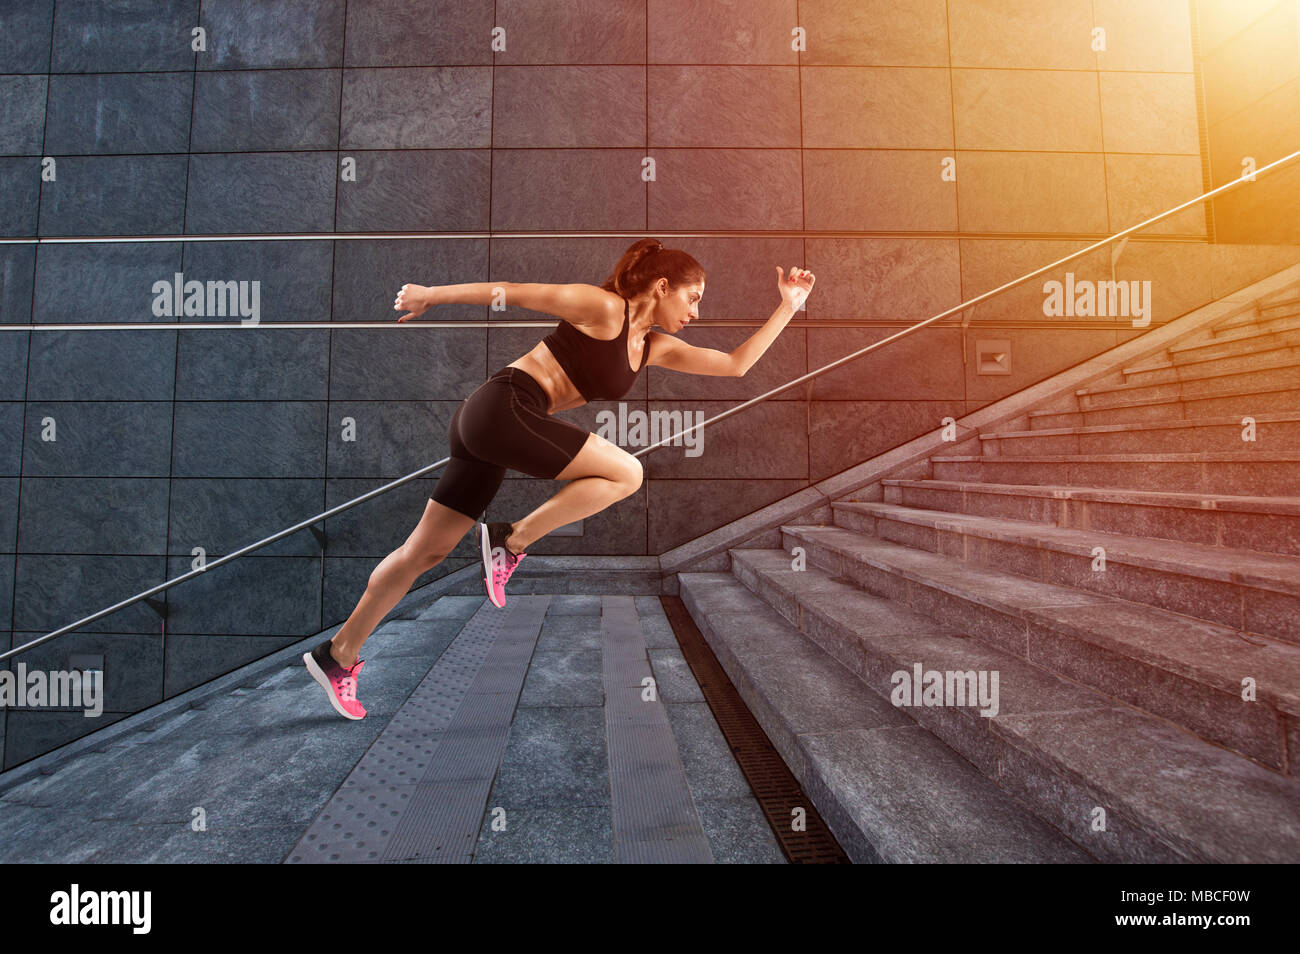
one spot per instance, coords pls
(1062, 748)
(1248, 337)
(1251, 592)
(1191, 386)
(1272, 431)
(1279, 309)
(1278, 355)
(1207, 347)
(1263, 401)
(1267, 524)
(1264, 475)
(1186, 670)
(1287, 302)
(889, 789)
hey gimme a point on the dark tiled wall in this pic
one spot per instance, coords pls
(123, 451)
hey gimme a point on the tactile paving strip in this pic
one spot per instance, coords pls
(653, 813)
(419, 793)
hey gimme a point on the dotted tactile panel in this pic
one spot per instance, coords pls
(419, 793)
(653, 813)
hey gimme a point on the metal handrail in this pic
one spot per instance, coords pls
(1247, 177)
(229, 556)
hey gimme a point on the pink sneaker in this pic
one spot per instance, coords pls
(498, 562)
(339, 684)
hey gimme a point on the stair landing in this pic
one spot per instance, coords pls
(492, 735)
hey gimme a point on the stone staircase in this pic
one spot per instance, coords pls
(1124, 560)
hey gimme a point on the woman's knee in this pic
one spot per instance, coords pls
(631, 475)
(421, 558)
(600, 458)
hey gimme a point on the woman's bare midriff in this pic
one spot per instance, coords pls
(541, 365)
(560, 391)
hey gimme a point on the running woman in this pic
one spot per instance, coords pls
(594, 354)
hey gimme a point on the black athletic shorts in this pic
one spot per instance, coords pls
(503, 426)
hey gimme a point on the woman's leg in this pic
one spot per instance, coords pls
(601, 474)
(437, 534)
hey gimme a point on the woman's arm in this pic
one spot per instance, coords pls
(749, 352)
(676, 355)
(794, 292)
(577, 303)
(665, 351)
(473, 293)
(420, 298)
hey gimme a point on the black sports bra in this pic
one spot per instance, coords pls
(598, 369)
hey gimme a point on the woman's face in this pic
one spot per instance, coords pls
(679, 307)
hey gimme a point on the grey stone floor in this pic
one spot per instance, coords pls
(261, 759)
